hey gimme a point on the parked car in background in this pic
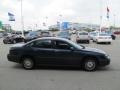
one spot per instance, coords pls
(54, 51)
(45, 34)
(92, 35)
(64, 34)
(5, 34)
(117, 32)
(12, 39)
(1, 35)
(111, 34)
(31, 36)
(74, 31)
(103, 37)
(82, 37)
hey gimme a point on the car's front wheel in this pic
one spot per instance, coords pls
(28, 63)
(14, 42)
(90, 64)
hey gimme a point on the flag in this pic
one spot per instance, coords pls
(65, 25)
(44, 24)
(108, 11)
(58, 24)
(11, 17)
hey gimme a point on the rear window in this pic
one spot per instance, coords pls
(104, 35)
(83, 33)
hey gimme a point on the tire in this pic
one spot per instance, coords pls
(88, 42)
(109, 42)
(14, 42)
(5, 42)
(93, 41)
(97, 42)
(28, 63)
(89, 64)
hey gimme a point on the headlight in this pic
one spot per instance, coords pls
(107, 56)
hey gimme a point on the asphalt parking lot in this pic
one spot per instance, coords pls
(14, 77)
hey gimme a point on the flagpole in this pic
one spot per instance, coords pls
(114, 20)
(108, 18)
(22, 22)
(100, 23)
(101, 12)
(60, 22)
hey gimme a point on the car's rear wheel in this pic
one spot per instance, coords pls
(90, 64)
(5, 42)
(28, 63)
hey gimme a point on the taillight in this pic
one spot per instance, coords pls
(77, 37)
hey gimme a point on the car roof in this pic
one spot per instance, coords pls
(82, 32)
(50, 38)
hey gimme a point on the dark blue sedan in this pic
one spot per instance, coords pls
(54, 51)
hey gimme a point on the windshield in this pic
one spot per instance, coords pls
(63, 34)
(32, 34)
(104, 34)
(83, 33)
(76, 45)
(45, 33)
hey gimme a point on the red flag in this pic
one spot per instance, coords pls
(108, 9)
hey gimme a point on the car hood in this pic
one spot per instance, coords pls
(94, 50)
(29, 37)
(63, 36)
(18, 45)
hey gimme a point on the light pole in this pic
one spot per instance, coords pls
(22, 21)
(101, 13)
(114, 20)
(101, 23)
(60, 26)
(46, 21)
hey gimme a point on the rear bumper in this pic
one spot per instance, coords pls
(82, 40)
(104, 40)
(13, 58)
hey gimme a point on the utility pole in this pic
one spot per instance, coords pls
(114, 20)
(60, 22)
(22, 21)
(101, 13)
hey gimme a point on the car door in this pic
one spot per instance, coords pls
(43, 52)
(65, 54)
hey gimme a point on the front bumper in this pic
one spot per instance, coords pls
(104, 62)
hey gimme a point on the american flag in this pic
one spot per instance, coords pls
(108, 11)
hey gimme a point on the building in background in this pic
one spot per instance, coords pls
(7, 27)
(0, 24)
(76, 26)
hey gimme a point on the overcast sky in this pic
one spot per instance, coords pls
(36, 11)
